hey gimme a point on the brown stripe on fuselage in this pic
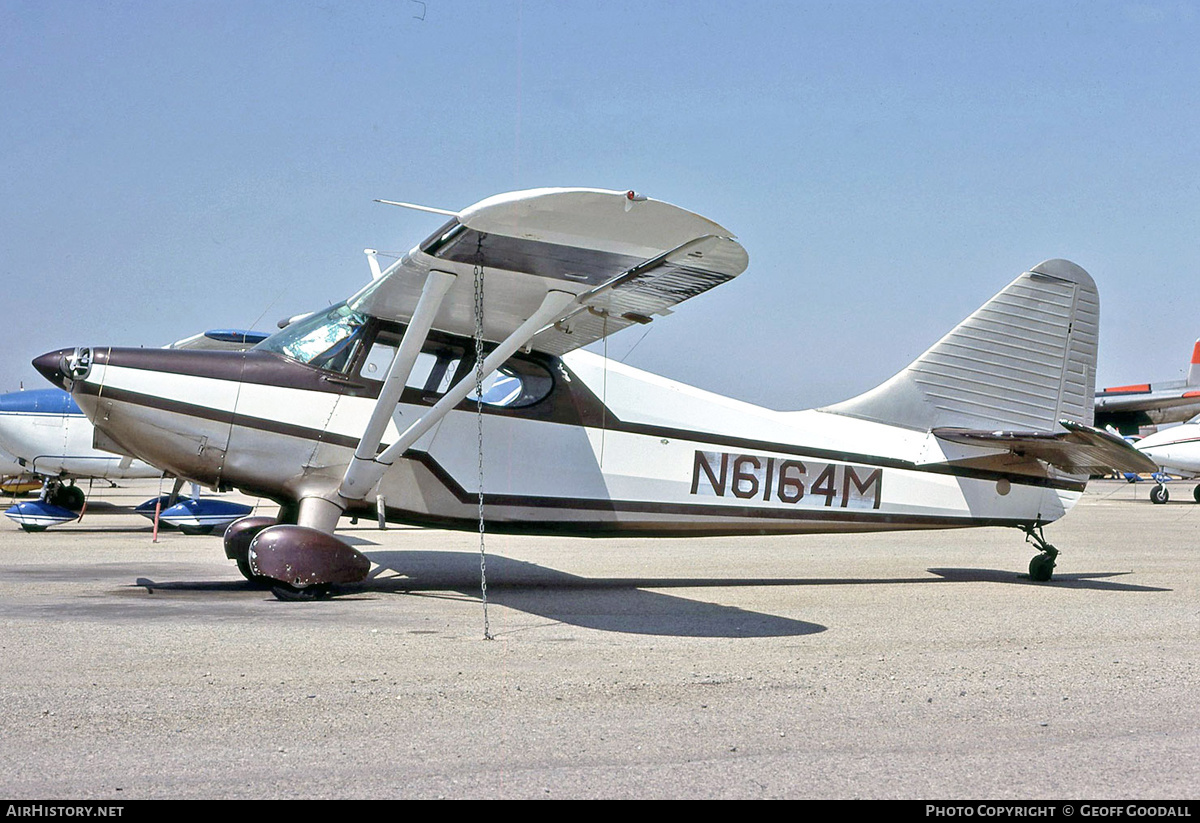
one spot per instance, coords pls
(570, 402)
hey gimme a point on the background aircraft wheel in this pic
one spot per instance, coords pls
(291, 594)
(75, 498)
(196, 529)
(1196, 494)
(1041, 567)
(69, 497)
(1159, 494)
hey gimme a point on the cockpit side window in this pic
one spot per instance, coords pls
(433, 372)
(518, 383)
(328, 340)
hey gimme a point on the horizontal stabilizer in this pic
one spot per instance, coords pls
(1078, 450)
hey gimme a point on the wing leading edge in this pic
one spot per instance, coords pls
(625, 259)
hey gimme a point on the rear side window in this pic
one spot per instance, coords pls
(516, 384)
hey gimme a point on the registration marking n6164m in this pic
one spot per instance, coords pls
(786, 480)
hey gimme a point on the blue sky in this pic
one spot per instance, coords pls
(170, 167)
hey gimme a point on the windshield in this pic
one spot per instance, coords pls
(326, 340)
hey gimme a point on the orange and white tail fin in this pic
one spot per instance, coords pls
(1194, 372)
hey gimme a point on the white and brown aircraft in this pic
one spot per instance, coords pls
(380, 404)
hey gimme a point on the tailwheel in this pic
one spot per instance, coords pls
(1041, 567)
(294, 594)
(1159, 494)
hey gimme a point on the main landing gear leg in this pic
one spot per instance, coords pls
(1041, 567)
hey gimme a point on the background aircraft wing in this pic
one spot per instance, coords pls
(228, 339)
(1128, 408)
(624, 257)
(1079, 449)
(1117, 400)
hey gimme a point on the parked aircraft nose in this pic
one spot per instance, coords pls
(54, 366)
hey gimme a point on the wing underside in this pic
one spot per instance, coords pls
(624, 260)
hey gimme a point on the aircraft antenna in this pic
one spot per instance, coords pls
(487, 634)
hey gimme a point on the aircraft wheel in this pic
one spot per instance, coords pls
(1041, 567)
(292, 594)
(243, 566)
(1196, 494)
(69, 497)
(1159, 494)
(29, 527)
(196, 529)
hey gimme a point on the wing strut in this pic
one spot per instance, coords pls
(366, 470)
(432, 293)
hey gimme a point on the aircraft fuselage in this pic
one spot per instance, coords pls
(49, 435)
(576, 444)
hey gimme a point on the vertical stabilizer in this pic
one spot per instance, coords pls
(1194, 371)
(1025, 360)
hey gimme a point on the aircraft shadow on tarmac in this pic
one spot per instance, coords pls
(608, 604)
(1098, 581)
(626, 604)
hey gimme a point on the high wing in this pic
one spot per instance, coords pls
(1079, 449)
(621, 257)
(559, 269)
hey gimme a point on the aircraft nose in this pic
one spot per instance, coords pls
(53, 366)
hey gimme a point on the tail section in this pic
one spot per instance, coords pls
(1193, 378)
(1023, 361)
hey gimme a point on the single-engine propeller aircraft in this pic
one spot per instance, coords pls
(373, 405)
(1129, 408)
